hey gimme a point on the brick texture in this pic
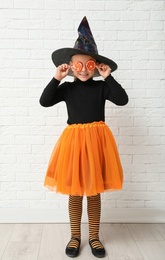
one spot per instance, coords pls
(130, 32)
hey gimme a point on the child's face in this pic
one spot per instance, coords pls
(85, 72)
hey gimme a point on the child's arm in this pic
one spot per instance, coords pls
(53, 93)
(50, 94)
(103, 69)
(114, 92)
(62, 71)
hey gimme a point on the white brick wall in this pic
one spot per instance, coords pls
(132, 32)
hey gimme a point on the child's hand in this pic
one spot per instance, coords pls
(62, 71)
(103, 69)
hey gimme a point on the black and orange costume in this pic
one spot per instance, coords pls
(85, 160)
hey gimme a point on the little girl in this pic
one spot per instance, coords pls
(85, 160)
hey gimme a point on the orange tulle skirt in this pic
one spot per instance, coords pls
(85, 161)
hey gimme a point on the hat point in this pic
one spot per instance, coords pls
(85, 40)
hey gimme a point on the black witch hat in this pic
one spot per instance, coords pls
(85, 44)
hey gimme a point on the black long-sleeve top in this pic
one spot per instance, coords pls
(85, 101)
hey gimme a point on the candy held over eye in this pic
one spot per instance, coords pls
(90, 65)
(78, 66)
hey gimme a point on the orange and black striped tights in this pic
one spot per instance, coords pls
(75, 214)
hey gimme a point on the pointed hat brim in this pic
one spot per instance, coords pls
(64, 55)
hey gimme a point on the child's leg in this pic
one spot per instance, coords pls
(75, 213)
(94, 213)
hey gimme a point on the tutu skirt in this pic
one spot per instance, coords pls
(85, 161)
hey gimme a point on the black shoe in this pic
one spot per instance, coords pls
(98, 252)
(72, 251)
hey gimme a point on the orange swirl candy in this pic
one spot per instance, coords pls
(78, 66)
(90, 65)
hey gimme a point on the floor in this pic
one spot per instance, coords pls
(48, 241)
